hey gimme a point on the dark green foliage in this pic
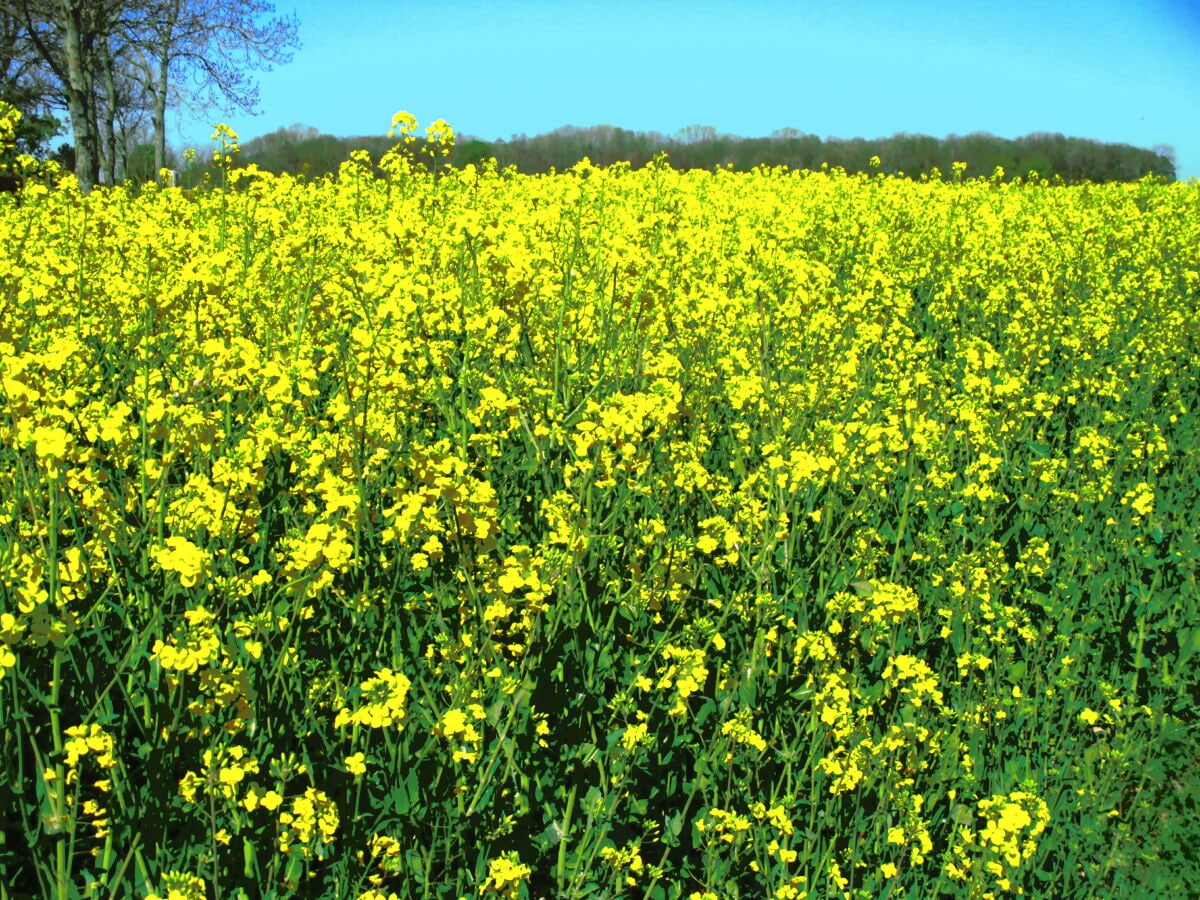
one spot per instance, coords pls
(303, 150)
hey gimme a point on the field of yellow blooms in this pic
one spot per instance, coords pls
(434, 533)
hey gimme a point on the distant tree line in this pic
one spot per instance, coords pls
(304, 150)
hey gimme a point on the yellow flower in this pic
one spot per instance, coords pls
(183, 557)
(383, 697)
(836, 876)
(454, 721)
(271, 800)
(180, 886)
(743, 732)
(629, 858)
(496, 611)
(8, 659)
(634, 735)
(404, 122)
(505, 876)
(356, 764)
(11, 628)
(51, 443)
(311, 822)
(86, 739)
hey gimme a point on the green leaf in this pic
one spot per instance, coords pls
(707, 708)
(1189, 644)
(675, 825)
(249, 859)
(407, 794)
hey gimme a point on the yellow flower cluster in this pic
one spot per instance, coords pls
(789, 506)
(444, 502)
(872, 609)
(222, 773)
(506, 876)
(742, 732)
(199, 646)
(994, 853)
(384, 853)
(180, 886)
(381, 704)
(85, 739)
(220, 681)
(684, 673)
(627, 859)
(311, 823)
(10, 633)
(181, 556)
(457, 726)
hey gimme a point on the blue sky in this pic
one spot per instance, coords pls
(1123, 71)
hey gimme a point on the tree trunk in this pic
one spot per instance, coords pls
(110, 153)
(159, 114)
(80, 104)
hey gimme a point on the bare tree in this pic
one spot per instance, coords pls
(67, 35)
(123, 105)
(696, 134)
(26, 82)
(109, 61)
(205, 50)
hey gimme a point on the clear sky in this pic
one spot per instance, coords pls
(1124, 71)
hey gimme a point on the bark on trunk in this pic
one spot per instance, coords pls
(79, 95)
(160, 83)
(159, 115)
(111, 152)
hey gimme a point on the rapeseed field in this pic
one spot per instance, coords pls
(436, 533)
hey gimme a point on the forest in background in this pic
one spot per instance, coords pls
(112, 69)
(304, 150)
